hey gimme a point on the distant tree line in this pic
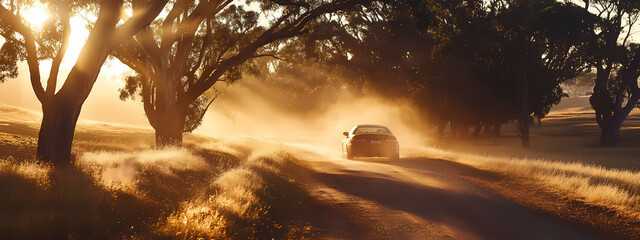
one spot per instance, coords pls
(581, 85)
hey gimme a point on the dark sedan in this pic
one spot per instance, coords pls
(370, 140)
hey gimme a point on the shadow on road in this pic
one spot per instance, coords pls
(463, 208)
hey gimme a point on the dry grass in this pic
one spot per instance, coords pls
(242, 204)
(174, 193)
(564, 156)
(616, 189)
(104, 195)
(119, 188)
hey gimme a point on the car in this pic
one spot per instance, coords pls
(370, 140)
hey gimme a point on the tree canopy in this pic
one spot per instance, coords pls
(179, 58)
(464, 63)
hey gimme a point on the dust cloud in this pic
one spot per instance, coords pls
(313, 111)
(294, 110)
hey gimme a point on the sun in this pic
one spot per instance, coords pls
(36, 15)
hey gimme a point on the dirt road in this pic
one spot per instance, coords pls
(415, 198)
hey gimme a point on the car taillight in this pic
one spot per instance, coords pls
(391, 139)
(358, 139)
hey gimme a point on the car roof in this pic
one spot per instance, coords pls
(371, 125)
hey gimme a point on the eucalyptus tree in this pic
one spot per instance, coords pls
(23, 42)
(617, 63)
(467, 63)
(179, 58)
(385, 48)
(545, 44)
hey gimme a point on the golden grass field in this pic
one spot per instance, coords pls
(119, 187)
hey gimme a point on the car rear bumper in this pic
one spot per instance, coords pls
(373, 150)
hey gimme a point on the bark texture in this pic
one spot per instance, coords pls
(169, 128)
(56, 132)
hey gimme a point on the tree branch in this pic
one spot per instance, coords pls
(201, 116)
(30, 45)
(274, 33)
(140, 19)
(126, 54)
(149, 45)
(55, 65)
(273, 55)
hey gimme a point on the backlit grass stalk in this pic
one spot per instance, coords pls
(618, 189)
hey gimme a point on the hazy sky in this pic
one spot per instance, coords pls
(103, 104)
(102, 101)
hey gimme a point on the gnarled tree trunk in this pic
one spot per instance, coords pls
(610, 124)
(610, 133)
(60, 114)
(56, 131)
(611, 111)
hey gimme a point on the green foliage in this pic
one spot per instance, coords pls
(9, 56)
(179, 58)
(458, 61)
(132, 85)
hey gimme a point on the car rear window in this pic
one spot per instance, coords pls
(362, 130)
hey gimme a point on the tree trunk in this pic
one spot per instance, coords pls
(488, 129)
(168, 136)
(59, 118)
(525, 115)
(610, 126)
(169, 128)
(609, 134)
(611, 116)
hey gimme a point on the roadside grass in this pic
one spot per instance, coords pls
(173, 193)
(616, 189)
(247, 202)
(118, 187)
(564, 157)
(103, 195)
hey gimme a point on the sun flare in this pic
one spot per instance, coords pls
(36, 15)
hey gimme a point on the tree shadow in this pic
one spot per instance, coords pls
(71, 206)
(474, 211)
(74, 203)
